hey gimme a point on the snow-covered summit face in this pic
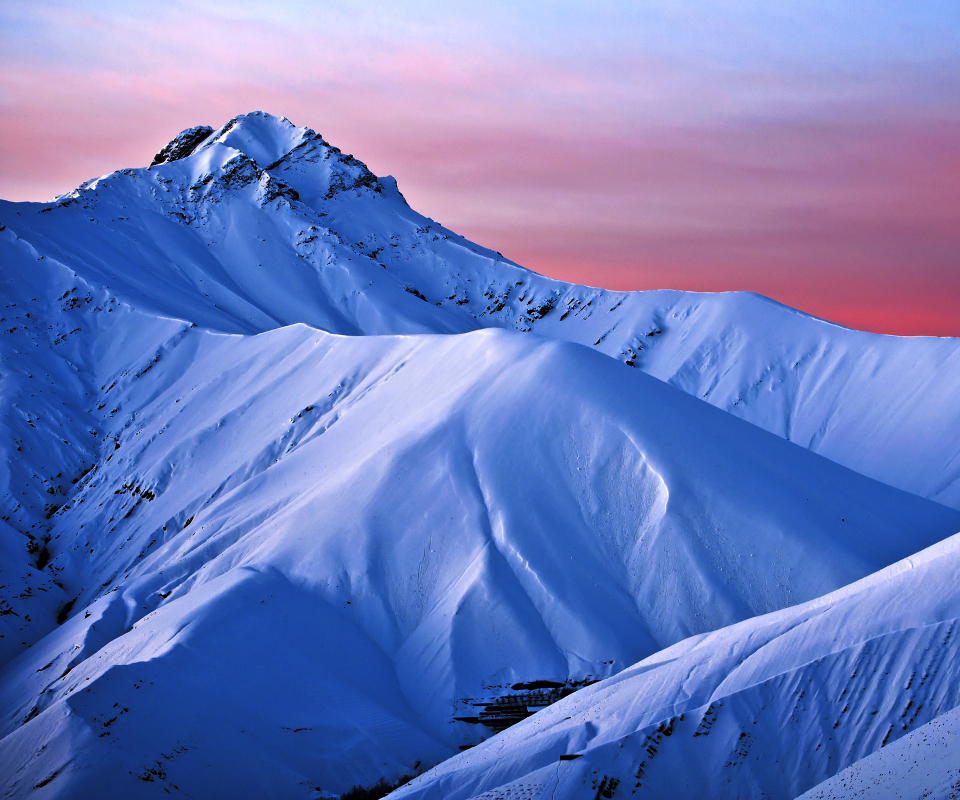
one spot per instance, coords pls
(277, 148)
(290, 488)
(263, 137)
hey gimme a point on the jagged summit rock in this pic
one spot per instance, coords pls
(263, 137)
(182, 145)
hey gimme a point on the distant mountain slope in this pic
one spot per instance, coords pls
(262, 224)
(62, 343)
(766, 708)
(328, 546)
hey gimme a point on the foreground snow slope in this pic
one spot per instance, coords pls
(262, 224)
(766, 708)
(293, 557)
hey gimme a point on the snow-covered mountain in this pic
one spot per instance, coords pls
(289, 487)
(262, 224)
(384, 529)
(770, 707)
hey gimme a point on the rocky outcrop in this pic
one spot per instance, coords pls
(182, 145)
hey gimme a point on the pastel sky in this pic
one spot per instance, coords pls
(809, 151)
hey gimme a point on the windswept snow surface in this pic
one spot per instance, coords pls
(766, 708)
(278, 510)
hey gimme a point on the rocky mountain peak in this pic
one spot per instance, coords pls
(182, 145)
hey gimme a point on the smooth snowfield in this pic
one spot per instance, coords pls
(766, 708)
(267, 224)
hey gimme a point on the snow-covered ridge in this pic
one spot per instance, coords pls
(430, 516)
(182, 145)
(924, 763)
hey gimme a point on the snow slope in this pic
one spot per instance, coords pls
(766, 708)
(925, 763)
(263, 224)
(341, 541)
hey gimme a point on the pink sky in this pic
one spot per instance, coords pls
(809, 154)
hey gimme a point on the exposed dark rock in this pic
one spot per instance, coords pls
(355, 176)
(380, 789)
(183, 144)
(47, 780)
(499, 713)
(534, 685)
(238, 172)
(43, 557)
(271, 188)
(64, 613)
(539, 312)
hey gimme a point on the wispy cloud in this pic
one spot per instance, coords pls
(805, 150)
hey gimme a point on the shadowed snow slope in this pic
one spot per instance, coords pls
(289, 509)
(765, 708)
(263, 224)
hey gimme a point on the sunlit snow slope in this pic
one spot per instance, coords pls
(277, 510)
(262, 224)
(766, 708)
